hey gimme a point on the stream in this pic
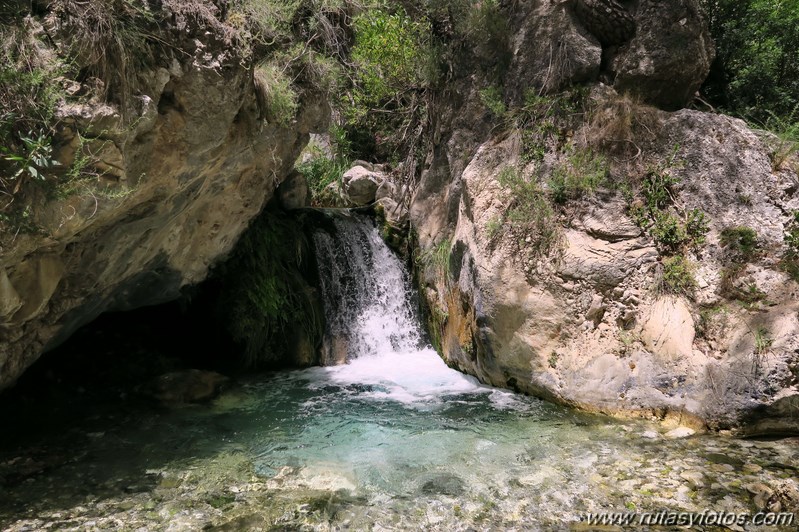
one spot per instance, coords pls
(392, 440)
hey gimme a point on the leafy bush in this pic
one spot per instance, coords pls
(678, 276)
(741, 242)
(384, 104)
(784, 142)
(29, 94)
(790, 262)
(668, 231)
(492, 99)
(581, 174)
(530, 217)
(276, 97)
(756, 71)
(696, 227)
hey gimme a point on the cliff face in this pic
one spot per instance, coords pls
(185, 164)
(563, 291)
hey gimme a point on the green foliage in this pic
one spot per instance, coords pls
(763, 340)
(266, 298)
(389, 53)
(492, 99)
(276, 97)
(530, 217)
(494, 227)
(29, 94)
(36, 156)
(741, 242)
(547, 120)
(581, 174)
(668, 231)
(437, 258)
(678, 276)
(263, 21)
(756, 71)
(322, 169)
(658, 187)
(696, 227)
(384, 104)
(790, 262)
(784, 142)
(673, 233)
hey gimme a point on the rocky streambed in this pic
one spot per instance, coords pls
(359, 447)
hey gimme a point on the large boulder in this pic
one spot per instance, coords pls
(361, 184)
(669, 57)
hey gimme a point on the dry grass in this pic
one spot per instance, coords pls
(620, 125)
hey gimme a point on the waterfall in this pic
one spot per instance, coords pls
(365, 291)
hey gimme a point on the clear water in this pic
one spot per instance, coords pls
(393, 440)
(349, 447)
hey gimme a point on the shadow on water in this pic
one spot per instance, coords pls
(76, 428)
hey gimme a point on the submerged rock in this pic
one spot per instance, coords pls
(186, 386)
(444, 484)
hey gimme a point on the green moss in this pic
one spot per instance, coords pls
(266, 298)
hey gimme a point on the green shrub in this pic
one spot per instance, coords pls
(276, 97)
(322, 169)
(756, 72)
(581, 174)
(263, 21)
(696, 227)
(385, 103)
(678, 276)
(763, 340)
(790, 262)
(784, 144)
(668, 231)
(741, 241)
(437, 259)
(530, 217)
(29, 94)
(492, 99)
(658, 187)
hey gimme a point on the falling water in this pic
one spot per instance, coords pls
(365, 290)
(370, 319)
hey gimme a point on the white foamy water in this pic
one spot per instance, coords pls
(365, 290)
(368, 308)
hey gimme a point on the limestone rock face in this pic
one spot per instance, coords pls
(668, 328)
(186, 174)
(585, 325)
(669, 57)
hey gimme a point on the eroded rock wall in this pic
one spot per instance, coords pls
(586, 324)
(183, 178)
